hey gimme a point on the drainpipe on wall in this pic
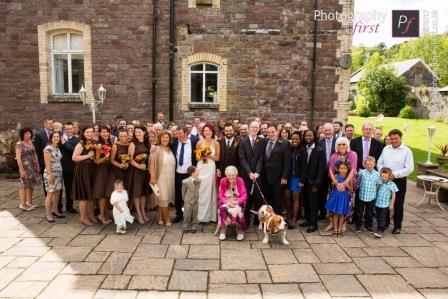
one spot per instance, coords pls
(314, 67)
(172, 50)
(154, 54)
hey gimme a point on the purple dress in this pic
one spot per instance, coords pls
(339, 201)
(29, 162)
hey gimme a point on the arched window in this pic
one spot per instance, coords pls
(67, 63)
(204, 83)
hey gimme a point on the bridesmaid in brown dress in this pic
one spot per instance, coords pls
(83, 155)
(102, 154)
(119, 167)
(138, 175)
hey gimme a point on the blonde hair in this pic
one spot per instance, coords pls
(341, 140)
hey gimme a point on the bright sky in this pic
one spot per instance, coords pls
(382, 10)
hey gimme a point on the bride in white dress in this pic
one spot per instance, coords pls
(207, 204)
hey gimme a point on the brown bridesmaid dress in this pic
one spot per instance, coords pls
(83, 178)
(117, 173)
(137, 181)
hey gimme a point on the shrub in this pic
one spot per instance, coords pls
(361, 107)
(8, 161)
(408, 112)
(363, 111)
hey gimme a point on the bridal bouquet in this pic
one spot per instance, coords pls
(202, 153)
(141, 158)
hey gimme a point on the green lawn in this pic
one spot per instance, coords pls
(415, 135)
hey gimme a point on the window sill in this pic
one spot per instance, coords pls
(203, 105)
(64, 99)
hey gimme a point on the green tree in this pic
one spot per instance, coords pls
(358, 58)
(383, 90)
(432, 49)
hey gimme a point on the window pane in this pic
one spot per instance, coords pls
(76, 42)
(77, 72)
(211, 67)
(61, 73)
(197, 67)
(196, 88)
(60, 42)
(211, 85)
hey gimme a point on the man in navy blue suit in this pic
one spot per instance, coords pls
(183, 149)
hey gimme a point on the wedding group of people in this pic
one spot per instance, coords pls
(217, 173)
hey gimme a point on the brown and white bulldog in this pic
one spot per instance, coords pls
(271, 223)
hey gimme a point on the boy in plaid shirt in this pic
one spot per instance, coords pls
(369, 180)
(385, 198)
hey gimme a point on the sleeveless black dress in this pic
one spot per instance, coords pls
(116, 173)
(83, 178)
(137, 181)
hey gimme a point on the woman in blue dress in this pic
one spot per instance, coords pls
(339, 200)
(292, 193)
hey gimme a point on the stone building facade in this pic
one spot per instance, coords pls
(234, 58)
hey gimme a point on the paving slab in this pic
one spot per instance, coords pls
(242, 260)
(424, 277)
(279, 291)
(388, 286)
(148, 282)
(293, 273)
(343, 285)
(188, 281)
(224, 276)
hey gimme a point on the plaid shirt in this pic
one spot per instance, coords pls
(384, 194)
(368, 181)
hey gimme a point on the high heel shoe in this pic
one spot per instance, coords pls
(87, 223)
(58, 215)
(50, 220)
(104, 222)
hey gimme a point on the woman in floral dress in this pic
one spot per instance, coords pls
(28, 168)
(53, 177)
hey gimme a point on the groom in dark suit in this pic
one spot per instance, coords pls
(183, 149)
(67, 146)
(276, 168)
(251, 163)
(40, 142)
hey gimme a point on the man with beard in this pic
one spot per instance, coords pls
(229, 155)
(244, 128)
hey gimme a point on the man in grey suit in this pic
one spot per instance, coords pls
(251, 163)
(190, 196)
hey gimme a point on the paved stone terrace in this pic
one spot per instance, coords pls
(68, 260)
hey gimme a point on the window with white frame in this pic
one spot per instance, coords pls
(67, 63)
(203, 83)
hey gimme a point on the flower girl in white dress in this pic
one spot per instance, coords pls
(121, 213)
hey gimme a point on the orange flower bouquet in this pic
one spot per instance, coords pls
(202, 153)
(141, 158)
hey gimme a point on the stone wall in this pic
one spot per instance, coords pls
(267, 44)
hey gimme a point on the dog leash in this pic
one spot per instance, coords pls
(254, 183)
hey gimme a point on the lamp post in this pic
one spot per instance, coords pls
(431, 132)
(93, 104)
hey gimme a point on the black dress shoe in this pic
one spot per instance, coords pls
(71, 211)
(311, 229)
(178, 218)
(304, 224)
(396, 231)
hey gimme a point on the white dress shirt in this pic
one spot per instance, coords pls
(187, 156)
(399, 159)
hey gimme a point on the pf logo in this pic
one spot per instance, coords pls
(405, 23)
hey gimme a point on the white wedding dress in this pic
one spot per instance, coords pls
(208, 202)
